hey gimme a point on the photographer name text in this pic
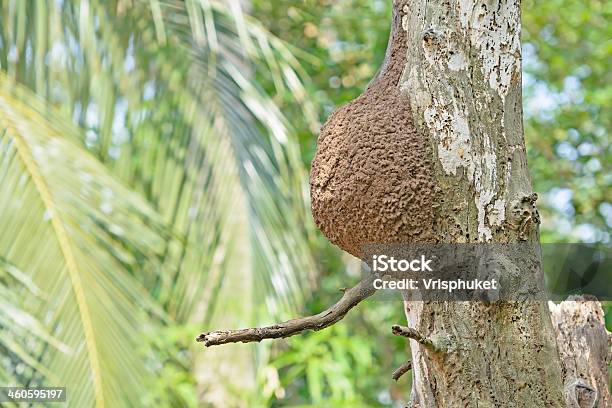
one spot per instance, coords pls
(384, 263)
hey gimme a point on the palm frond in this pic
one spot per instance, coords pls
(60, 213)
(172, 108)
(257, 164)
(18, 327)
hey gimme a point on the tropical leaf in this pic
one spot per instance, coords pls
(19, 329)
(76, 236)
(166, 92)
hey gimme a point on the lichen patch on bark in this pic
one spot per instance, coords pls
(453, 130)
(494, 28)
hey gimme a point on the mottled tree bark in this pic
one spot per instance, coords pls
(462, 76)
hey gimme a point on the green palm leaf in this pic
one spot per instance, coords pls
(60, 213)
(166, 92)
(18, 328)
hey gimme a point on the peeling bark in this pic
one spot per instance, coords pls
(463, 76)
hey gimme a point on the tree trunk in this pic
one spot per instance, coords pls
(462, 77)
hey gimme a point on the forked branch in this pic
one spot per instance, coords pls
(351, 298)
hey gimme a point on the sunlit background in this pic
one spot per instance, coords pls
(154, 159)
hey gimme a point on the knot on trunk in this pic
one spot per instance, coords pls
(579, 394)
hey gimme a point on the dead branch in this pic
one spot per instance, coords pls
(403, 369)
(414, 335)
(351, 298)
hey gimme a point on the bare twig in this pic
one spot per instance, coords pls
(335, 313)
(414, 335)
(403, 369)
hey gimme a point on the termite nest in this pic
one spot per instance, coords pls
(372, 177)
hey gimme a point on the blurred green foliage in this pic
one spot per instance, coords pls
(146, 181)
(568, 95)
